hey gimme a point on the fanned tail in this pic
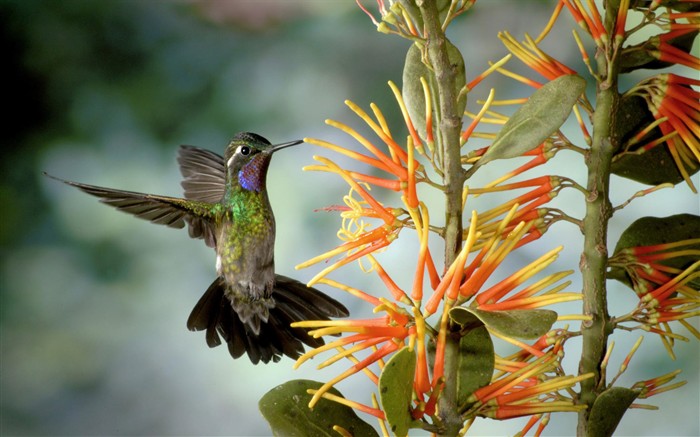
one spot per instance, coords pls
(294, 302)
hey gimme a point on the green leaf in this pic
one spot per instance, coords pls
(465, 318)
(650, 231)
(412, 90)
(653, 167)
(396, 390)
(526, 324)
(544, 112)
(285, 408)
(681, 5)
(608, 409)
(476, 363)
(632, 116)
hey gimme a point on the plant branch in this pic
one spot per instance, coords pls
(594, 258)
(450, 122)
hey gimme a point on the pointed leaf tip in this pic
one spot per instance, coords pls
(608, 409)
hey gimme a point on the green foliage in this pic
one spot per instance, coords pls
(286, 408)
(414, 69)
(650, 231)
(608, 409)
(527, 324)
(476, 363)
(542, 115)
(396, 390)
(652, 167)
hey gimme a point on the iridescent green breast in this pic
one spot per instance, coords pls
(246, 240)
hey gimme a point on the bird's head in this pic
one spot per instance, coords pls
(247, 158)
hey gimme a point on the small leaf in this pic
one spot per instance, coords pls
(526, 324)
(396, 390)
(286, 409)
(476, 363)
(650, 231)
(412, 90)
(544, 112)
(608, 409)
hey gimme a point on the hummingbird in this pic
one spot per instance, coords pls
(226, 204)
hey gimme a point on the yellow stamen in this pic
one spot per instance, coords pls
(624, 364)
(406, 117)
(477, 119)
(551, 22)
(428, 114)
(395, 148)
(493, 67)
(382, 424)
(580, 317)
(339, 429)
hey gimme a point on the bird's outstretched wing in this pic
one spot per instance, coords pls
(162, 210)
(204, 174)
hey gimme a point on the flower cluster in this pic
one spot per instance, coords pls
(396, 18)
(666, 293)
(402, 315)
(670, 98)
(425, 314)
(676, 107)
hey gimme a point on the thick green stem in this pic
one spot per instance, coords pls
(449, 131)
(449, 127)
(594, 258)
(595, 254)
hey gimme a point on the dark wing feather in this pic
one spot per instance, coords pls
(162, 210)
(206, 313)
(204, 174)
(294, 302)
(307, 299)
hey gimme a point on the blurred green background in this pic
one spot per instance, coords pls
(94, 302)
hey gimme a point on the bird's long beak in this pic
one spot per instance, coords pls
(277, 147)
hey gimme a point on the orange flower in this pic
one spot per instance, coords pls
(664, 292)
(492, 253)
(399, 162)
(389, 331)
(664, 51)
(657, 385)
(383, 335)
(528, 390)
(675, 105)
(590, 22)
(535, 58)
(359, 240)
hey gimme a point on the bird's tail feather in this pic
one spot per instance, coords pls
(294, 302)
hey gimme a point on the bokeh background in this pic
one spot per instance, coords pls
(94, 302)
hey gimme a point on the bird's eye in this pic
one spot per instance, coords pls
(243, 150)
